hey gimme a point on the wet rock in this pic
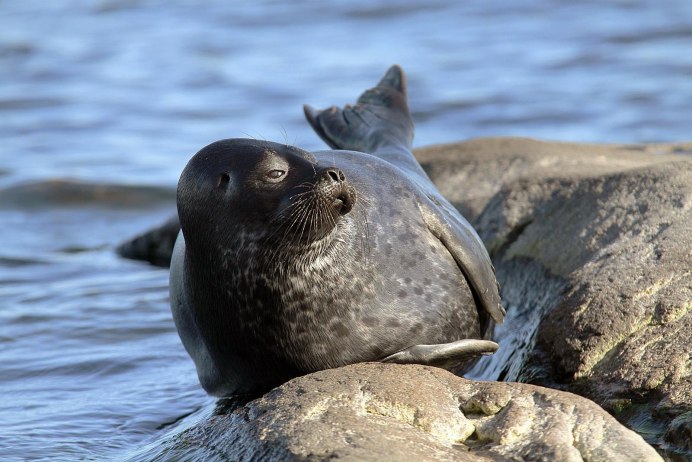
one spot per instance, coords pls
(154, 246)
(401, 412)
(679, 433)
(592, 249)
(73, 193)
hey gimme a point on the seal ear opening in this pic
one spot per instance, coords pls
(224, 179)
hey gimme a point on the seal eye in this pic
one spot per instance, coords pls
(275, 174)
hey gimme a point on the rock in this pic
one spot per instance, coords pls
(592, 247)
(154, 246)
(71, 193)
(371, 412)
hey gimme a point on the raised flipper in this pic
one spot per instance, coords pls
(379, 120)
(380, 124)
(445, 355)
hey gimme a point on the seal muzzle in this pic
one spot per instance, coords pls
(333, 184)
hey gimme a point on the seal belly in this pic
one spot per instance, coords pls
(431, 299)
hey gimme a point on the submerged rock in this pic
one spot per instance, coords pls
(407, 412)
(74, 193)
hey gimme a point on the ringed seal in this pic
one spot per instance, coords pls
(289, 262)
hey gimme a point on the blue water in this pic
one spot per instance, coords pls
(125, 91)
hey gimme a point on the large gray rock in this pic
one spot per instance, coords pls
(593, 249)
(373, 412)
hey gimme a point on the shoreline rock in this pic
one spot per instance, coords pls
(374, 411)
(592, 248)
(51, 193)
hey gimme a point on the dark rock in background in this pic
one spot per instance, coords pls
(66, 193)
(154, 246)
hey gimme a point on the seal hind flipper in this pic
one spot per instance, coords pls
(394, 78)
(468, 250)
(379, 121)
(445, 355)
(336, 123)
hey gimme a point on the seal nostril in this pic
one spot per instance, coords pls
(335, 175)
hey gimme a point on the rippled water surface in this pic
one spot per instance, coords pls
(102, 103)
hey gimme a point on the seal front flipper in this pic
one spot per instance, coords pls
(444, 355)
(467, 249)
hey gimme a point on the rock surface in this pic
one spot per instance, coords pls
(593, 251)
(66, 193)
(403, 412)
(154, 246)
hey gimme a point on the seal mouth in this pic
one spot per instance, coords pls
(343, 203)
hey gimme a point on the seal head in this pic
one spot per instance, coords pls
(260, 189)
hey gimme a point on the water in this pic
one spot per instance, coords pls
(123, 92)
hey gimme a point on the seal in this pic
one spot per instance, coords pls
(289, 262)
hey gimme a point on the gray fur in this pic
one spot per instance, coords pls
(350, 257)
